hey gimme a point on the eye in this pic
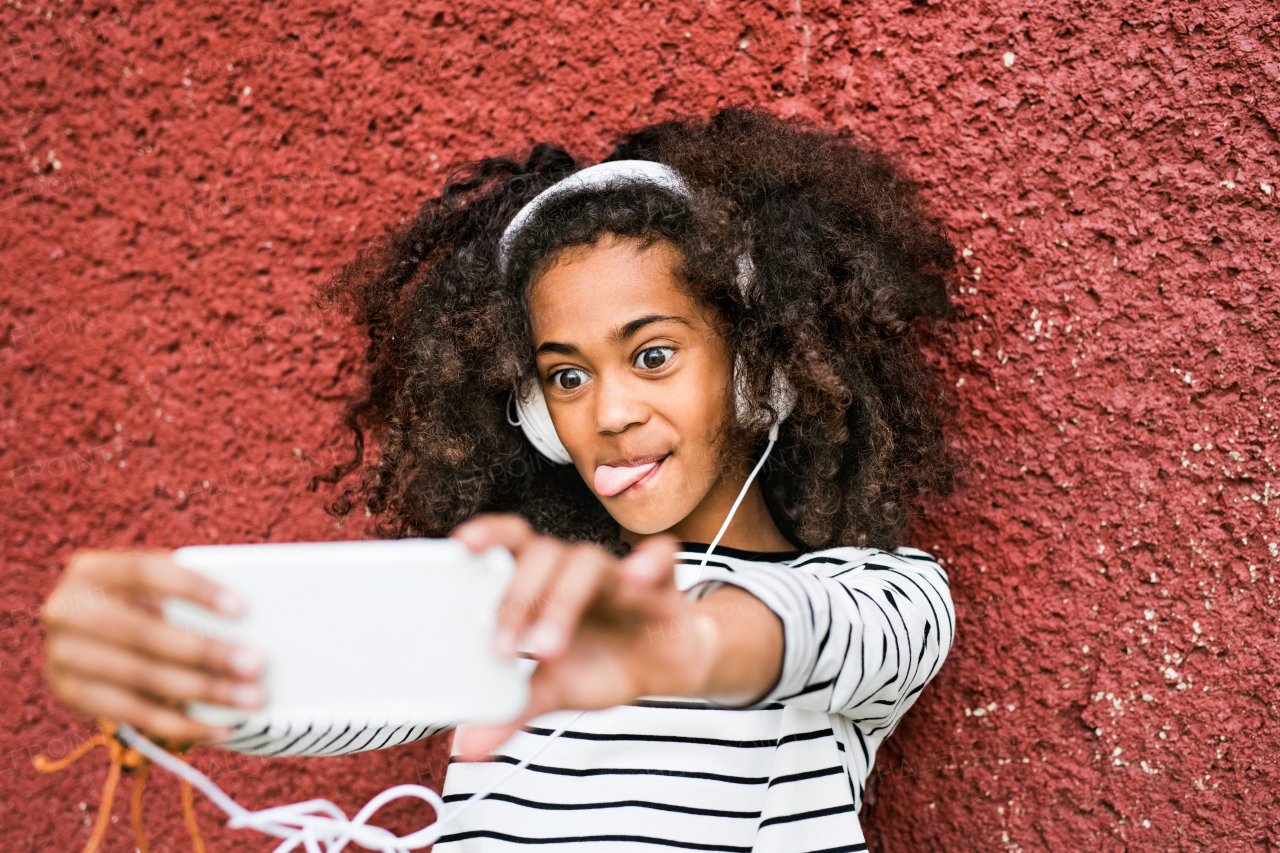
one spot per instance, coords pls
(653, 357)
(569, 379)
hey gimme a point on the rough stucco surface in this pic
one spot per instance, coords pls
(175, 181)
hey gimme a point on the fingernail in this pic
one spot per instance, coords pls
(504, 642)
(229, 603)
(220, 733)
(246, 661)
(468, 536)
(546, 638)
(248, 695)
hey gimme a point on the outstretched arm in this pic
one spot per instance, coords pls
(864, 629)
(607, 631)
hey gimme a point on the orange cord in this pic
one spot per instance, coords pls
(189, 815)
(135, 807)
(122, 757)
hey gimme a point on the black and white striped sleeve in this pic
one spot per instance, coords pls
(268, 739)
(864, 629)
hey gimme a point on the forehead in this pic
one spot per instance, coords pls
(591, 290)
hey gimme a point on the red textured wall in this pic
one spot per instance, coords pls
(175, 181)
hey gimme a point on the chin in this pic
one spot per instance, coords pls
(647, 529)
(649, 520)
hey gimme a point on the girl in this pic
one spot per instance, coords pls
(592, 367)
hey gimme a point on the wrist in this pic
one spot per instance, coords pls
(740, 647)
(708, 645)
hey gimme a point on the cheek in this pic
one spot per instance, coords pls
(701, 410)
(696, 418)
(573, 425)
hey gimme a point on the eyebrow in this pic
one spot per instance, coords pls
(616, 337)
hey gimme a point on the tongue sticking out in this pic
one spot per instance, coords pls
(610, 480)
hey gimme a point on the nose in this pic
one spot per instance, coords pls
(619, 404)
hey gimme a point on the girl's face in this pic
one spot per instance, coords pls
(635, 376)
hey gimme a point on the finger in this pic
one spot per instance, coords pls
(78, 655)
(151, 573)
(651, 564)
(484, 531)
(118, 624)
(158, 576)
(101, 699)
(536, 568)
(584, 684)
(477, 742)
(586, 572)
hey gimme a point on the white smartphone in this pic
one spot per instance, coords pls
(389, 631)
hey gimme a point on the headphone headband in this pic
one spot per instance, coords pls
(592, 177)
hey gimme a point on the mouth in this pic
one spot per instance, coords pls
(613, 480)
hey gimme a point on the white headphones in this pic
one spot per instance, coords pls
(531, 406)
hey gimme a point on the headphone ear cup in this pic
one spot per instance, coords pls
(741, 407)
(536, 423)
(782, 399)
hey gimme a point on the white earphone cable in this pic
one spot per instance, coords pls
(773, 437)
(313, 823)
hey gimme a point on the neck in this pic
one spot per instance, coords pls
(752, 527)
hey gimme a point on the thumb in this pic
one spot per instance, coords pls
(477, 742)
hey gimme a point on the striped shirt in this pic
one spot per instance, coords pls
(864, 631)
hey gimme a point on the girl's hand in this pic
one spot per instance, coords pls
(605, 631)
(110, 653)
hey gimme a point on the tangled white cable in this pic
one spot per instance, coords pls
(313, 823)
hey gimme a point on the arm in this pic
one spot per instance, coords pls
(857, 632)
(276, 740)
(862, 634)
(745, 651)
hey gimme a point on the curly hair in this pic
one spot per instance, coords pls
(848, 269)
